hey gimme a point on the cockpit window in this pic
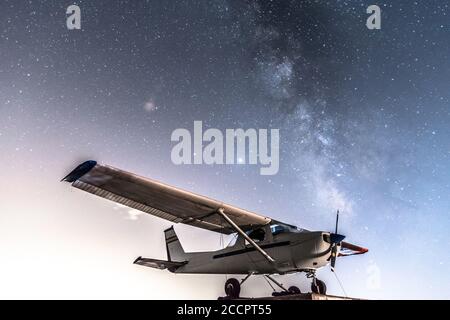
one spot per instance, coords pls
(282, 228)
(277, 229)
(231, 239)
(257, 235)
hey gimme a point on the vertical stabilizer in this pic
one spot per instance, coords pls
(175, 251)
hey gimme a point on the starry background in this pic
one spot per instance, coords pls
(363, 118)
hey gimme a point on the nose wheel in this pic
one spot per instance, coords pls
(318, 286)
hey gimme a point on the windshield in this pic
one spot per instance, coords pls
(277, 229)
(281, 228)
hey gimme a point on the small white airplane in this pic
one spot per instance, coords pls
(263, 245)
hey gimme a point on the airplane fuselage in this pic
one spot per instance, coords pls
(292, 252)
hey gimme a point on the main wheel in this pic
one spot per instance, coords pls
(319, 287)
(294, 290)
(232, 288)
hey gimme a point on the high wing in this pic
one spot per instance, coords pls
(161, 200)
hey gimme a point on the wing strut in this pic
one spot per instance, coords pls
(242, 233)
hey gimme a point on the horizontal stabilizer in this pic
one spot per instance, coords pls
(159, 264)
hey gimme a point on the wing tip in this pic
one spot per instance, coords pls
(80, 171)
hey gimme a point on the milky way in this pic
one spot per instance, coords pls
(363, 118)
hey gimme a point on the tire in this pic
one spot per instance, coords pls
(319, 287)
(232, 288)
(294, 290)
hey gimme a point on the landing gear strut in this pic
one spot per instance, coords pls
(291, 290)
(233, 286)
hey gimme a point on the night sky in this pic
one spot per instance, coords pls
(364, 121)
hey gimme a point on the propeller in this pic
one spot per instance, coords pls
(335, 240)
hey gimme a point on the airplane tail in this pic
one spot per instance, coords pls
(175, 252)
